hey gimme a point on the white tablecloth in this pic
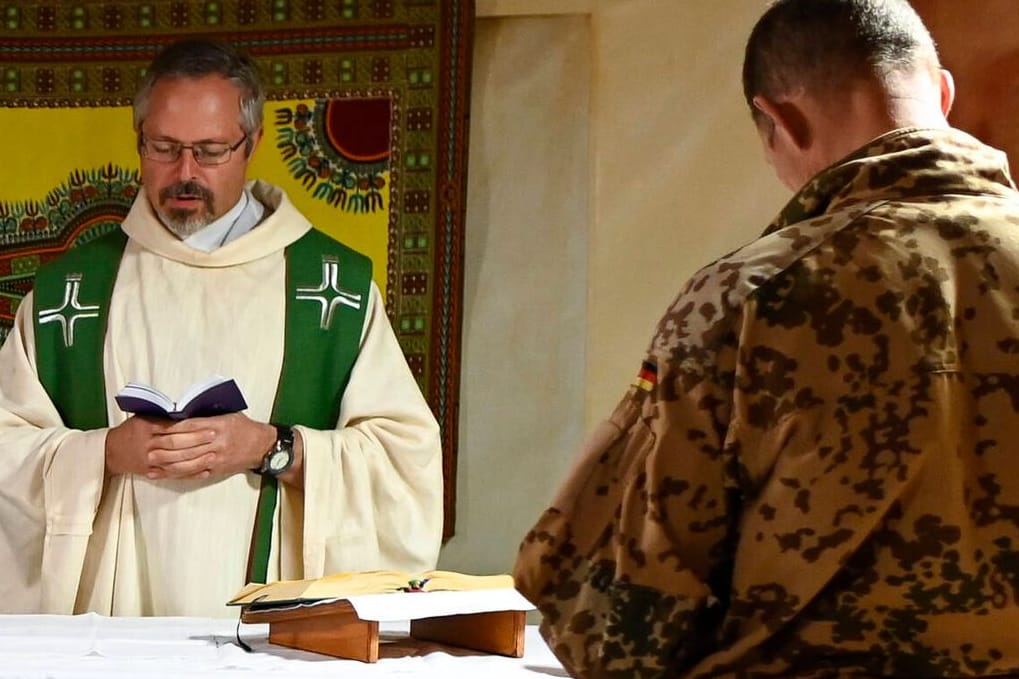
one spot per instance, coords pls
(96, 646)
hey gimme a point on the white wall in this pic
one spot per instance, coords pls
(611, 155)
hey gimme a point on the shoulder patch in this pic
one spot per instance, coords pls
(647, 377)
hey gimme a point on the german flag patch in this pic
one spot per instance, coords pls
(647, 378)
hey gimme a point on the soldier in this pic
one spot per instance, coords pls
(812, 475)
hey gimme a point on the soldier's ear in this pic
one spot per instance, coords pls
(947, 91)
(787, 120)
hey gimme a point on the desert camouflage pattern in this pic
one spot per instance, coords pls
(824, 479)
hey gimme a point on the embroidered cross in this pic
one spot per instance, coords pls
(330, 286)
(72, 286)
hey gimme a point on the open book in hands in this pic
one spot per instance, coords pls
(345, 585)
(215, 395)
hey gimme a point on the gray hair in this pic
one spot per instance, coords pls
(197, 58)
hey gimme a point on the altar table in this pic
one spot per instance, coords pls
(91, 645)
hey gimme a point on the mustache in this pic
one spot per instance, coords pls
(188, 188)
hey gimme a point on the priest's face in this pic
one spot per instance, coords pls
(194, 153)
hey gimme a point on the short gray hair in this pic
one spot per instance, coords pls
(197, 58)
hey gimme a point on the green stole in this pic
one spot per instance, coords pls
(321, 342)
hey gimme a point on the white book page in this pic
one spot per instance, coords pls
(396, 606)
(198, 388)
(147, 393)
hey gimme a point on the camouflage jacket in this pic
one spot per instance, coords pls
(812, 475)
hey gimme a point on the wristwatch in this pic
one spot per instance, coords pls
(281, 455)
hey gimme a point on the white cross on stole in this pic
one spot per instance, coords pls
(78, 311)
(329, 293)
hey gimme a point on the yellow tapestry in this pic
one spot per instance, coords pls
(53, 144)
(365, 129)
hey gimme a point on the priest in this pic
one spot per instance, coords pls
(334, 465)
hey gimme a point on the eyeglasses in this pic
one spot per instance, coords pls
(205, 153)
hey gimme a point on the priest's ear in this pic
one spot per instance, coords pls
(252, 142)
(782, 122)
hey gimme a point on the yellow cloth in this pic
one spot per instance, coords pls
(66, 129)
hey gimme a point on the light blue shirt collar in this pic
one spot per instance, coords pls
(238, 220)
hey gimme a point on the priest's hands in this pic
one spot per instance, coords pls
(199, 448)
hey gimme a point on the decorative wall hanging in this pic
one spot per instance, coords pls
(365, 129)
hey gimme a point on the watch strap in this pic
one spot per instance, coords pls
(284, 443)
(284, 437)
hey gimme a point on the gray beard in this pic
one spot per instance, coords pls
(182, 223)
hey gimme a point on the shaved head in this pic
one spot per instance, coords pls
(818, 45)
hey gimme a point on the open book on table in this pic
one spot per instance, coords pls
(339, 614)
(215, 395)
(359, 583)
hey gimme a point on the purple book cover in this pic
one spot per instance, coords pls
(219, 398)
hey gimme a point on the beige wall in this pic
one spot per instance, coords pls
(678, 175)
(522, 375)
(611, 156)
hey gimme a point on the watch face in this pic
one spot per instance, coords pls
(279, 461)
